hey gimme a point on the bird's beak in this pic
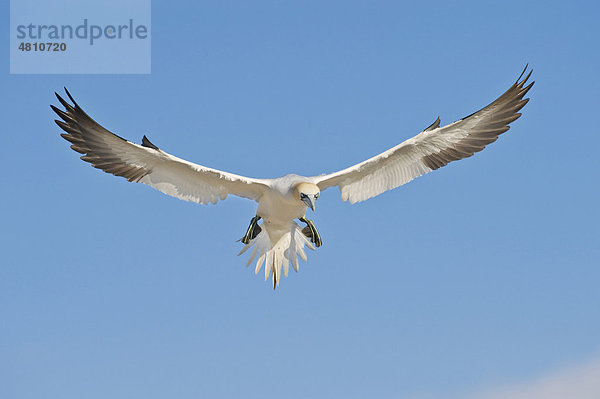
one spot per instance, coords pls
(310, 202)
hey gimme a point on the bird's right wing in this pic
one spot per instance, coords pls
(148, 164)
(429, 150)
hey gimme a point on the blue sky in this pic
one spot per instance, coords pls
(480, 276)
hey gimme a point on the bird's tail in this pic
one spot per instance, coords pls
(277, 247)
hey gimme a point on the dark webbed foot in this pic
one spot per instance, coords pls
(311, 232)
(253, 230)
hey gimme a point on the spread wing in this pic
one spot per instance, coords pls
(148, 164)
(429, 150)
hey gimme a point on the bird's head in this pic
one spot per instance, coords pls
(307, 193)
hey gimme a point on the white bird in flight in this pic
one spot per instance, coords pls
(279, 240)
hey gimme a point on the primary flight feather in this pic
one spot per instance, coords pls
(279, 240)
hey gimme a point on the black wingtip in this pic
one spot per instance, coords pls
(434, 125)
(71, 98)
(519, 84)
(65, 104)
(528, 75)
(147, 143)
(59, 112)
(523, 73)
(59, 97)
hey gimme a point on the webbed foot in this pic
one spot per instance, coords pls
(311, 232)
(253, 230)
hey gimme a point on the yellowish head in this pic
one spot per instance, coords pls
(307, 193)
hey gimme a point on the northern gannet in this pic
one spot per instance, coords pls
(279, 240)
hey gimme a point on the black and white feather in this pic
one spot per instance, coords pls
(429, 150)
(148, 164)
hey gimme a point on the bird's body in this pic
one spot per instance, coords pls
(279, 240)
(278, 205)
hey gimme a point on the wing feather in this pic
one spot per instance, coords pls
(429, 150)
(148, 164)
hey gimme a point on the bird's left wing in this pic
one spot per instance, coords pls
(148, 164)
(429, 150)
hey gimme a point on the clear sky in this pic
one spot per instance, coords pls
(480, 277)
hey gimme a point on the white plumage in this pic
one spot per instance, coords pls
(279, 240)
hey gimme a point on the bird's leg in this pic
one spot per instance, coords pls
(311, 232)
(253, 230)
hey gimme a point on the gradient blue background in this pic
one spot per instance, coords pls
(480, 274)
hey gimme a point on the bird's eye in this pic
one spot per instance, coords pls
(317, 195)
(302, 195)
